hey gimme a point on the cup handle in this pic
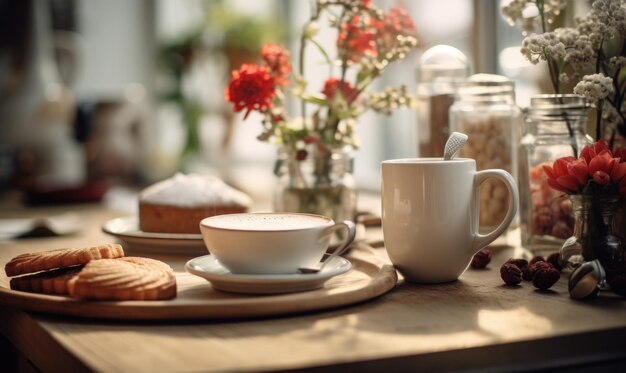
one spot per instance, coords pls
(345, 243)
(482, 240)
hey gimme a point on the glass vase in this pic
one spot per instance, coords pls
(316, 180)
(555, 127)
(594, 236)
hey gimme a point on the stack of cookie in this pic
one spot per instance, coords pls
(95, 273)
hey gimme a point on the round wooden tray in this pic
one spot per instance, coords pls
(196, 298)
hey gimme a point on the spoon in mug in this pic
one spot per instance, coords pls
(453, 145)
(337, 252)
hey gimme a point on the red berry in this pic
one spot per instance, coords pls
(511, 274)
(481, 259)
(544, 278)
(555, 260)
(536, 259)
(529, 272)
(519, 262)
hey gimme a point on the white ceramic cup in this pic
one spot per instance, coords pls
(430, 215)
(271, 243)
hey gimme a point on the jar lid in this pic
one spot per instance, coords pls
(486, 85)
(558, 105)
(442, 63)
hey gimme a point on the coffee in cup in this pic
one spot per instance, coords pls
(270, 243)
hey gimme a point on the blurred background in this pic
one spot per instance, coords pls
(95, 94)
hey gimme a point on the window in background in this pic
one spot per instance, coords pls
(248, 162)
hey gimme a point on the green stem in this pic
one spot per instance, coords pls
(599, 120)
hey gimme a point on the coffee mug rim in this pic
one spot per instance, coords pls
(427, 161)
(204, 223)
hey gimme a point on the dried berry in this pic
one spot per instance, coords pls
(520, 263)
(544, 278)
(481, 259)
(555, 260)
(511, 274)
(529, 272)
(536, 259)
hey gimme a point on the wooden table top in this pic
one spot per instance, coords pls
(473, 323)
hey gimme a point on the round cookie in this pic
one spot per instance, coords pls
(128, 278)
(48, 282)
(35, 262)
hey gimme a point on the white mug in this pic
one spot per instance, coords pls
(273, 242)
(430, 215)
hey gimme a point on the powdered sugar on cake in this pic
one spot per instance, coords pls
(194, 190)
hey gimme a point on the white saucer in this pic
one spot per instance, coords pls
(221, 278)
(127, 231)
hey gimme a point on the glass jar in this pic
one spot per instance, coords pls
(439, 70)
(485, 110)
(316, 180)
(594, 236)
(555, 128)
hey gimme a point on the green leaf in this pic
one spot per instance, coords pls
(314, 99)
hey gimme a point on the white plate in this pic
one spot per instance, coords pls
(127, 231)
(221, 278)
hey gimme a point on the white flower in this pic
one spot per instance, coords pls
(311, 29)
(605, 21)
(526, 13)
(580, 52)
(610, 116)
(596, 87)
(617, 62)
(563, 78)
(513, 11)
(538, 47)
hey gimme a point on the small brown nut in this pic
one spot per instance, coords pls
(544, 278)
(481, 259)
(586, 280)
(529, 272)
(511, 274)
(555, 260)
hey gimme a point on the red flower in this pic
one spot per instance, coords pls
(619, 170)
(621, 154)
(602, 162)
(601, 178)
(590, 151)
(277, 59)
(348, 92)
(565, 175)
(578, 169)
(251, 88)
(356, 38)
(396, 22)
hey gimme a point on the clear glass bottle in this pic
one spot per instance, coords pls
(438, 71)
(316, 181)
(485, 110)
(555, 127)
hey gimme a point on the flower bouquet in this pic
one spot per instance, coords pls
(595, 182)
(589, 60)
(315, 146)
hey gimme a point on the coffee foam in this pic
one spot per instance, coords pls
(265, 222)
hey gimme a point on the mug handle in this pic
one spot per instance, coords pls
(345, 243)
(482, 240)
